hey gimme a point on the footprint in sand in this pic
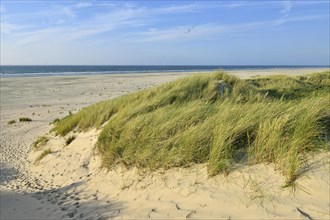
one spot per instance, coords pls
(72, 213)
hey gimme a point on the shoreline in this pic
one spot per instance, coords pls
(155, 73)
(126, 193)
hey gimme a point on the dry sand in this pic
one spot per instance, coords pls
(68, 183)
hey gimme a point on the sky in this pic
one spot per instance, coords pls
(164, 32)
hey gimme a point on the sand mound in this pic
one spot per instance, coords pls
(68, 182)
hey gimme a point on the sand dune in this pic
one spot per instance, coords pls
(69, 183)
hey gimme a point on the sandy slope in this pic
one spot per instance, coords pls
(69, 183)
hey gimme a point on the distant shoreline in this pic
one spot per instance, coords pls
(42, 71)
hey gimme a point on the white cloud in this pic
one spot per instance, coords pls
(209, 31)
(105, 4)
(179, 33)
(100, 23)
(9, 28)
(178, 8)
(236, 4)
(64, 24)
(83, 5)
(310, 2)
(287, 5)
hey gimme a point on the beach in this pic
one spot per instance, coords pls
(69, 182)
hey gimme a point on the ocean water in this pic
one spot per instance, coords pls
(48, 70)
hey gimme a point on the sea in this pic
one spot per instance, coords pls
(60, 70)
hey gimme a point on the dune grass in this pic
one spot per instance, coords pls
(69, 139)
(40, 142)
(11, 122)
(24, 119)
(276, 120)
(43, 154)
(55, 121)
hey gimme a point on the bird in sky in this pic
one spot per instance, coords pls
(190, 29)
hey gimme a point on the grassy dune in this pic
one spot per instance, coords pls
(276, 119)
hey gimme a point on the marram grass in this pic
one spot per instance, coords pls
(43, 154)
(276, 119)
(40, 142)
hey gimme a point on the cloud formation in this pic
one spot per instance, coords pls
(145, 26)
(67, 24)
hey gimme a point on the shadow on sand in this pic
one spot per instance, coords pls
(68, 202)
(7, 173)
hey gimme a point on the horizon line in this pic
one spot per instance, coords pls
(325, 65)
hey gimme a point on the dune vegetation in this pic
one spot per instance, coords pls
(42, 155)
(24, 119)
(11, 122)
(216, 119)
(40, 142)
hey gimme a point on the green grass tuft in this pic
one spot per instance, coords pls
(69, 139)
(25, 119)
(11, 122)
(212, 118)
(40, 142)
(43, 154)
(56, 120)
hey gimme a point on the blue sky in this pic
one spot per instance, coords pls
(165, 32)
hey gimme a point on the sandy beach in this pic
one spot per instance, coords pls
(69, 183)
